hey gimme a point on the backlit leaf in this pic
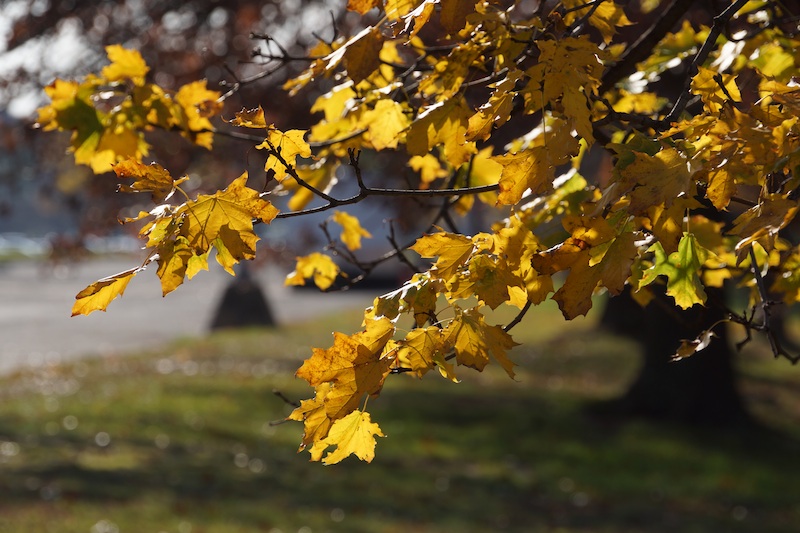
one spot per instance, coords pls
(99, 294)
(351, 230)
(352, 435)
(316, 266)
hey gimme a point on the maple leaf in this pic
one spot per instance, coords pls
(125, 65)
(152, 178)
(762, 222)
(316, 266)
(451, 249)
(351, 230)
(173, 261)
(289, 145)
(352, 359)
(682, 269)
(361, 54)
(384, 124)
(228, 215)
(99, 294)
(424, 349)
(443, 123)
(715, 89)
(656, 180)
(250, 118)
(474, 340)
(533, 168)
(197, 103)
(313, 414)
(352, 435)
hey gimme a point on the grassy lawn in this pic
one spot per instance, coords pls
(179, 440)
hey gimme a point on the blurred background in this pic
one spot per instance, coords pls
(147, 418)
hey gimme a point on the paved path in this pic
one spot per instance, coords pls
(36, 327)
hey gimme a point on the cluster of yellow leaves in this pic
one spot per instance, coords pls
(181, 237)
(108, 113)
(405, 84)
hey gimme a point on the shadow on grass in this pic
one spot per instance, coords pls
(146, 449)
(467, 458)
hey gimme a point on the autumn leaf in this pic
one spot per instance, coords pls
(313, 413)
(316, 266)
(361, 54)
(474, 341)
(451, 249)
(98, 295)
(197, 104)
(125, 65)
(228, 215)
(352, 435)
(384, 124)
(152, 178)
(351, 230)
(454, 14)
(682, 269)
(288, 145)
(763, 222)
(656, 180)
(424, 349)
(443, 123)
(173, 262)
(250, 118)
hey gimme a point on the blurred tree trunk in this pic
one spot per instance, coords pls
(698, 390)
(243, 304)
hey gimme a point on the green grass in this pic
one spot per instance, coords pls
(180, 440)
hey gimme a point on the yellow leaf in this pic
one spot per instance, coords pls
(453, 251)
(321, 176)
(762, 222)
(314, 416)
(125, 65)
(654, 180)
(152, 178)
(575, 295)
(289, 145)
(99, 294)
(227, 214)
(351, 230)
(352, 435)
(428, 166)
(362, 54)
(712, 87)
(250, 118)
(195, 101)
(316, 266)
(352, 359)
(397, 9)
(423, 349)
(384, 124)
(454, 14)
(474, 340)
(173, 259)
(442, 123)
(417, 18)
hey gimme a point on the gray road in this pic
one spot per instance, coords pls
(35, 305)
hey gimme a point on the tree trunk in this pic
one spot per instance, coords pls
(243, 304)
(698, 390)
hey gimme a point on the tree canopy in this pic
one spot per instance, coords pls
(640, 144)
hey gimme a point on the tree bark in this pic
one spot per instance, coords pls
(697, 390)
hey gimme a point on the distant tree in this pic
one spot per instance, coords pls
(506, 108)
